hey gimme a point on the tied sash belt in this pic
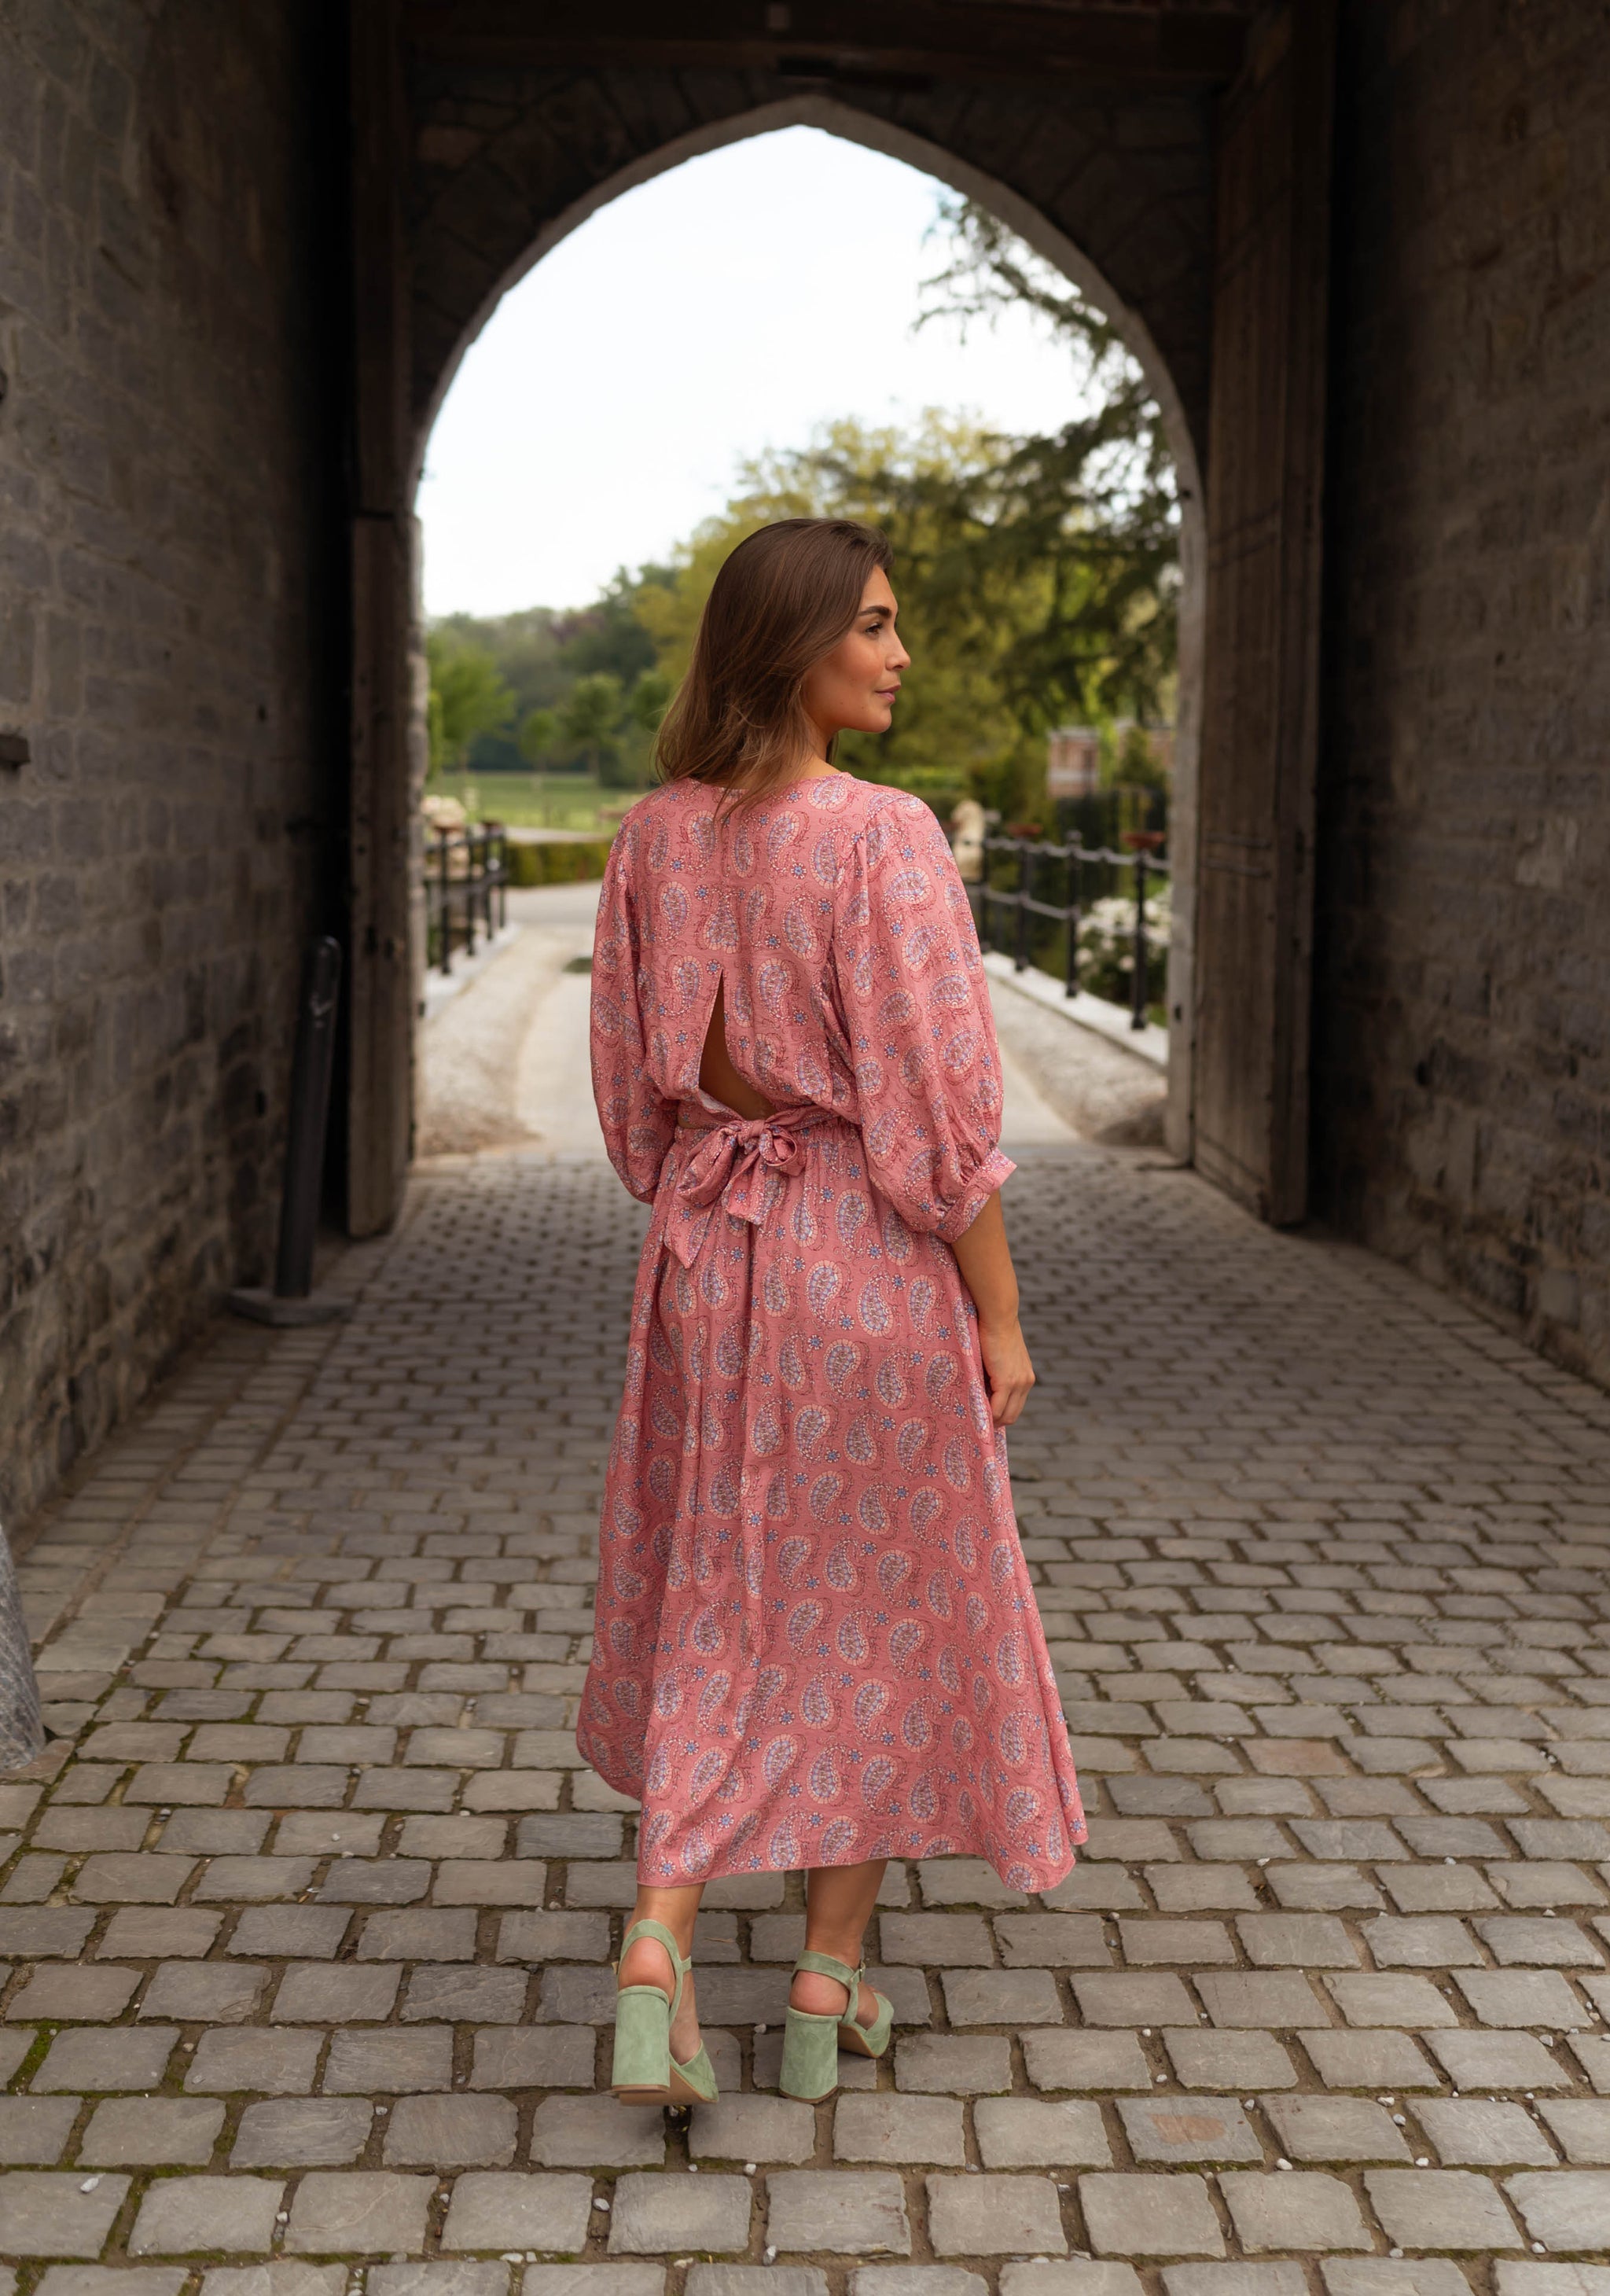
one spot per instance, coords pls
(728, 1167)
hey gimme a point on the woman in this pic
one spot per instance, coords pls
(817, 1645)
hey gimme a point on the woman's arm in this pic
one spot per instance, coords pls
(985, 1260)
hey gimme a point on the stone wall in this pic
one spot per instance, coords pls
(1462, 1100)
(159, 848)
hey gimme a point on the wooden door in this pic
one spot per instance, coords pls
(1254, 888)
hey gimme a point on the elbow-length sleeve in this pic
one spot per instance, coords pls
(912, 990)
(637, 1119)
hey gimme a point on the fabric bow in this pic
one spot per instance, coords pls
(728, 1167)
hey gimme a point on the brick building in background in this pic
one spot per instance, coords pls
(1363, 251)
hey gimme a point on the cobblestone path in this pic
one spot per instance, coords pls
(307, 1936)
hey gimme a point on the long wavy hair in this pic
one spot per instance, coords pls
(783, 599)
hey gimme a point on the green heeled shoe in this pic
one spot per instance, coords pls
(810, 2043)
(644, 2071)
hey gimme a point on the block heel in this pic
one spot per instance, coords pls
(643, 2071)
(810, 2043)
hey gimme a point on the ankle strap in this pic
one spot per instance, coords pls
(661, 1935)
(824, 1965)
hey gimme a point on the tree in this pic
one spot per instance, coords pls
(539, 730)
(591, 717)
(468, 696)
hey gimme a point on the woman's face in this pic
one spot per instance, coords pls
(853, 689)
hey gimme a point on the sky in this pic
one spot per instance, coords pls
(732, 304)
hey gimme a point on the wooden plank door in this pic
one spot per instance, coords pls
(1260, 718)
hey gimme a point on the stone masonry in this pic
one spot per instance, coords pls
(306, 1922)
(1461, 1010)
(159, 592)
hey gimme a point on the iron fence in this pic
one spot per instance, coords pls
(1142, 854)
(466, 886)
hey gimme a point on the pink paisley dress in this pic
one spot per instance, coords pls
(816, 1641)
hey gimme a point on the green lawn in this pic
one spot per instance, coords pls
(534, 800)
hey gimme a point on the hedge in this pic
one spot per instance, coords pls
(557, 861)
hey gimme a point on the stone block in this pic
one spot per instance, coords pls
(1299, 2212)
(1238, 2061)
(560, 2280)
(756, 2279)
(898, 2130)
(1566, 2209)
(452, 2132)
(1471, 2133)
(448, 1935)
(1515, 1997)
(1389, 1999)
(664, 2214)
(994, 2216)
(322, 1992)
(1496, 2060)
(205, 1992)
(916, 2280)
(152, 2132)
(303, 2132)
(160, 1933)
(249, 2058)
(846, 2211)
(1001, 1996)
(1582, 2126)
(33, 2129)
(1036, 2133)
(599, 2132)
(1147, 1944)
(1133, 1998)
(47, 2215)
(134, 1878)
(960, 2064)
(460, 1993)
(383, 2060)
(750, 2127)
(195, 2216)
(114, 2057)
(1081, 2275)
(65, 1992)
(358, 2213)
(1295, 1941)
(1446, 2209)
(1382, 2276)
(1103, 2060)
(1340, 2129)
(1187, 2129)
(936, 1941)
(1234, 2280)
(534, 2056)
(1137, 2215)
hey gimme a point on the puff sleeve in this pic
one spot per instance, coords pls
(638, 1120)
(913, 994)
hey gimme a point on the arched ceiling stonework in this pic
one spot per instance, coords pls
(1113, 182)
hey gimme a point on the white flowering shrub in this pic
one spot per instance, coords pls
(1107, 946)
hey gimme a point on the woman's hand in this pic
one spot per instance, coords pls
(1005, 1366)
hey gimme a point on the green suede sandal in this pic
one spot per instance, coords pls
(644, 2071)
(810, 2043)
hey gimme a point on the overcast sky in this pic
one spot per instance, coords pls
(730, 305)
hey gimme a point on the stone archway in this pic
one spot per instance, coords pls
(1183, 186)
(835, 116)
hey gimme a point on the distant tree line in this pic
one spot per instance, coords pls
(1037, 576)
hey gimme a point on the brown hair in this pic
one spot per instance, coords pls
(783, 599)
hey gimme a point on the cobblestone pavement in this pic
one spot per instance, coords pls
(308, 1930)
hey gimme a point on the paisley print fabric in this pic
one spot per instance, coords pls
(816, 1638)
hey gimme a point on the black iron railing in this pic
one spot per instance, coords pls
(1023, 901)
(466, 887)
